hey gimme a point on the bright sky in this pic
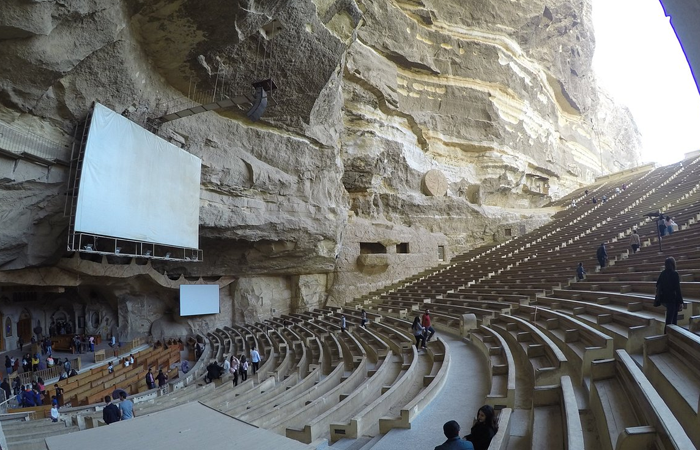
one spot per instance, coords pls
(639, 61)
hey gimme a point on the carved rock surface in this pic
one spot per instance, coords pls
(372, 95)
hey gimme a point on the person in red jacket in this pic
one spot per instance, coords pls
(429, 331)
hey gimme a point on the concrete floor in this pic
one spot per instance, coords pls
(191, 425)
(461, 397)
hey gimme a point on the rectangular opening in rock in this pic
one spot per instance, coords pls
(371, 247)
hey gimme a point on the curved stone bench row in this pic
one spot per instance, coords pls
(502, 369)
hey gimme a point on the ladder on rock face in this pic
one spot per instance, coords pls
(80, 139)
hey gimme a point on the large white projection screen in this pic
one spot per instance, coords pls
(135, 185)
(197, 299)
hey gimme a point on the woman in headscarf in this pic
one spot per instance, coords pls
(668, 287)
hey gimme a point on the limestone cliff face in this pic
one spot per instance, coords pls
(495, 99)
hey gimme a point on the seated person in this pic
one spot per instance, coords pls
(185, 366)
(28, 397)
(484, 429)
(453, 442)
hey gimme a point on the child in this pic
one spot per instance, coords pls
(54, 411)
(580, 272)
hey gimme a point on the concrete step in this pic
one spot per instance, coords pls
(350, 444)
(28, 441)
(24, 427)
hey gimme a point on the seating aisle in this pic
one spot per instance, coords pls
(460, 398)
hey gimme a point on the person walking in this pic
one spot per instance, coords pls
(417, 330)
(580, 272)
(668, 223)
(634, 241)
(668, 291)
(162, 379)
(662, 226)
(363, 319)
(427, 327)
(255, 359)
(602, 255)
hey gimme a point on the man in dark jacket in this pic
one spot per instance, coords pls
(6, 387)
(602, 255)
(110, 413)
(453, 442)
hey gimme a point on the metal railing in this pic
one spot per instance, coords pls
(27, 144)
(46, 374)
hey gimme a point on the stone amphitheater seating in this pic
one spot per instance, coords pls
(564, 357)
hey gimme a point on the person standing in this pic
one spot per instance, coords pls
(91, 342)
(162, 378)
(580, 272)
(602, 255)
(244, 368)
(126, 407)
(343, 323)
(6, 387)
(363, 320)
(255, 359)
(8, 365)
(634, 241)
(668, 287)
(58, 394)
(427, 326)
(150, 381)
(110, 413)
(234, 364)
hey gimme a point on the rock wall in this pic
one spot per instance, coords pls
(400, 130)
